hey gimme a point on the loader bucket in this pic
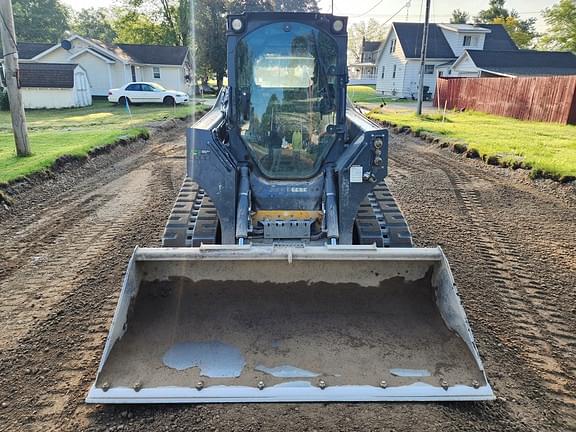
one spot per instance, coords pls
(279, 324)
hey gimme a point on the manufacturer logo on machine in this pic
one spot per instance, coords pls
(200, 154)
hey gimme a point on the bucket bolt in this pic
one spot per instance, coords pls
(199, 385)
(260, 385)
(322, 384)
(105, 386)
(383, 384)
(137, 386)
(444, 384)
(475, 384)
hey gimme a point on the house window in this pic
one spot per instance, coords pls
(383, 68)
(428, 69)
(467, 40)
(394, 72)
(393, 46)
(156, 71)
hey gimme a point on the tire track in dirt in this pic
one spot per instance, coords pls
(70, 337)
(526, 299)
(539, 330)
(28, 232)
(28, 294)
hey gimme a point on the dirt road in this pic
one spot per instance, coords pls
(65, 245)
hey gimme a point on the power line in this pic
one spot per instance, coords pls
(369, 10)
(389, 18)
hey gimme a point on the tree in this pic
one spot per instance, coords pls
(173, 15)
(137, 28)
(496, 10)
(210, 25)
(40, 20)
(459, 17)
(184, 24)
(522, 32)
(371, 30)
(239, 6)
(295, 5)
(561, 20)
(94, 23)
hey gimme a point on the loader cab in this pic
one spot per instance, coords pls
(281, 156)
(288, 97)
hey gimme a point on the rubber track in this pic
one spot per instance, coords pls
(193, 220)
(380, 221)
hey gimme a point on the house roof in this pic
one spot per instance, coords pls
(498, 38)
(525, 62)
(143, 54)
(102, 53)
(47, 75)
(410, 38)
(368, 46)
(155, 54)
(28, 50)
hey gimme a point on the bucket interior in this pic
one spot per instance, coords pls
(270, 322)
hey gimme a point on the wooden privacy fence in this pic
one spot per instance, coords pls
(549, 99)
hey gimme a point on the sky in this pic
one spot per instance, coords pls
(384, 9)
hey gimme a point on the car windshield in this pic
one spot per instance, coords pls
(286, 97)
(157, 87)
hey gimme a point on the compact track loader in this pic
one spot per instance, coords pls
(287, 271)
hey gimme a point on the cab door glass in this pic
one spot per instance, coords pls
(286, 97)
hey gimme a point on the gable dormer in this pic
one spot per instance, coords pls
(462, 37)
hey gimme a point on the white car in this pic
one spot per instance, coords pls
(146, 92)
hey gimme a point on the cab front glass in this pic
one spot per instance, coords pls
(287, 98)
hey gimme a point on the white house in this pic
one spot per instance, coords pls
(398, 61)
(111, 66)
(364, 71)
(54, 85)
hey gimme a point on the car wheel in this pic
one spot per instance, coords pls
(169, 101)
(122, 101)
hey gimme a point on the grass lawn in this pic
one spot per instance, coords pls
(367, 94)
(547, 149)
(363, 94)
(74, 132)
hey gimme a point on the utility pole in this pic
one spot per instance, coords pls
(10, 53)
(422, 58)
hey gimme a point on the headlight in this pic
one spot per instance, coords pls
(337, 26)
(237, 24)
